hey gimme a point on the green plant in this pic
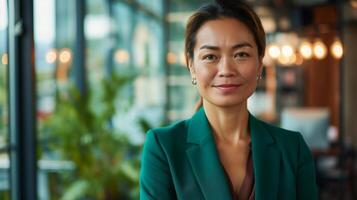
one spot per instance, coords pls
(106, 163)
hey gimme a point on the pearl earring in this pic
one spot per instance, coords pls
(194, 81)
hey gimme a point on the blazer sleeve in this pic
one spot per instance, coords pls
(306, 179)
(155, 176)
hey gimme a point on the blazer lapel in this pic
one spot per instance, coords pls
(204, 159)
(266, 161)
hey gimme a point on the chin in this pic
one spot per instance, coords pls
(228, 102)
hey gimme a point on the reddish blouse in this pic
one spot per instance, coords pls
(247, 189)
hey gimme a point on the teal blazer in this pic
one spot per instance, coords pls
(181, 162)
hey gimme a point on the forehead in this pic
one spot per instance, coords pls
(224, 32)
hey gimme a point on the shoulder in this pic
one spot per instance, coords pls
(168, 137)
(281, 134)
(286, 140)
(291, 145)
(170, 132)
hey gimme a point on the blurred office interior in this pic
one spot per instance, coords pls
(81, 81)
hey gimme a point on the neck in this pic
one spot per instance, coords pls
(229, 124)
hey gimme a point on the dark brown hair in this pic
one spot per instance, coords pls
(236, 9)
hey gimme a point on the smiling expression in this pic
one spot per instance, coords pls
(225, 62)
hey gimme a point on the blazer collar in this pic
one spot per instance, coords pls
(209, 172)
(266, 159)
(204, 159)
(199, 130)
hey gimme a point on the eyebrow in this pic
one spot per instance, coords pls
(237, 46)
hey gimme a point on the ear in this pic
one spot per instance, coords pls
(191, 67)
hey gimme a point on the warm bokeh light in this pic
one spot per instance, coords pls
(5, 59)
(287, 51)
(268, 61)
(306, 50)
(354, 4)
(51, 56)
(337, 49)
(121, 56)
(171, 58)
(183, 59)
(269, 24)
(298, 59)
(293, 59)
(320, 50)
(65, 56)
(283, 60)
(288, 60)
(274, 51)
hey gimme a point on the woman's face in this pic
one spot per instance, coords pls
(225, 62)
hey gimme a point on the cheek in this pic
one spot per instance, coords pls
(205, 81)
(204, 75)
(250, 73)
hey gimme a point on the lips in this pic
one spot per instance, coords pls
(227, 85)
(227, 88)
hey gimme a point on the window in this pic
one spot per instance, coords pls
(54, 34)
(4, 134)
(77, 133)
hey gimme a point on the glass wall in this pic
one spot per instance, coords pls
(90, 143)
(54, 34)
(4, 157)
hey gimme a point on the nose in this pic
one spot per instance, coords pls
(226, 67)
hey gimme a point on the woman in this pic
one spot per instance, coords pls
(223, 152)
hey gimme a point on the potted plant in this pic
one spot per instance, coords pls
(81, 131)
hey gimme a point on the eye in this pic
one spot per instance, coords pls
(241, 55)
(209, 57)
